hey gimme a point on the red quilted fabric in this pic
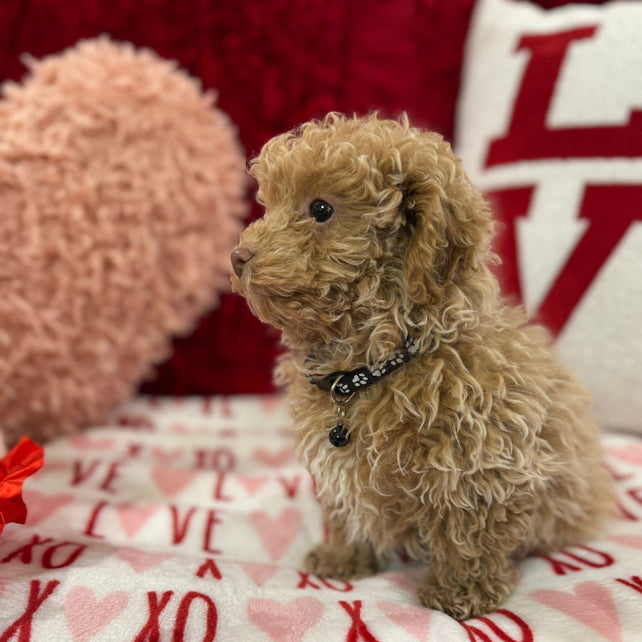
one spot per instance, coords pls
(275, 64)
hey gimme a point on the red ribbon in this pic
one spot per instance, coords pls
(20, 462)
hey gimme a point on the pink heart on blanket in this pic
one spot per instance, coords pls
(140, 560)
(273, 459)
(277, 534)
(413, 619)
(53, 466)
(590, 603)
(269, 403)
(259, 573)
(251, 484)
(634, 541)
(41, 507)
(82, 442)
(285, 622)
(167, 455)
(133, 517)
(407, 580)
(172, 481)
(632, 454)
(86, 616)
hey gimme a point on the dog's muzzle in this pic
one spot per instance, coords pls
(240, 257)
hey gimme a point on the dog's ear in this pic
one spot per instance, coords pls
(447, 221)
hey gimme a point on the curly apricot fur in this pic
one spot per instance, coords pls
(479, 450)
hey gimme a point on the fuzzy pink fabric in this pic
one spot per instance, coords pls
(121, 196)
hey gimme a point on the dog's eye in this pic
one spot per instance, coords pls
(320, 210)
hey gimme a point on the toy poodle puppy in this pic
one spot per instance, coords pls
(431, 416)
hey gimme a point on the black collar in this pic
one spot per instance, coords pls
(350, 382)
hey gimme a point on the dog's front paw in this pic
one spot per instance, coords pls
(464, 600)
(348, 562)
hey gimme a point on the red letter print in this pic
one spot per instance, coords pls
(93, 518)
(134, 450)
(305, 581)
(22, 626)
(634, 582)
(509, 204)
(358, 629)
(81, 474)
(611, 210)
(179, 526)
(528, 138)
(209, 566)
(626, 514)
(477, 635)
(182, 616)
(290, 486)
(223, 461)
(25, 552)
(635, 493)
(151, 630)
(212, 520)
(559, 567)
(71, 555)
(342, 586)
(594, 559)
(138, 423)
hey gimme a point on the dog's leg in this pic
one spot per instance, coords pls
(339, 559)
(467, 588)
(471, 571)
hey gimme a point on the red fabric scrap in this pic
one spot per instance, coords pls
(20, 462)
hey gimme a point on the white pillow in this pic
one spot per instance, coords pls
(549, 126)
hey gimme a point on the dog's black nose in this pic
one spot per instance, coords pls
(240, 257)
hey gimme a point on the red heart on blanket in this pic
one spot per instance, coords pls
(86, 616)
(413, 619)
(140, 560)
(274, 460)
(172, 481)
(285, 622)
(277, 534)
(133, 517)
(41, 507)
(589, 603)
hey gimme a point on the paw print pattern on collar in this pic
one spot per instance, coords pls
(360, 378)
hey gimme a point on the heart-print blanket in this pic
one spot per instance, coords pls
(189, 519)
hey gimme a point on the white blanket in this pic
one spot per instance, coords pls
(189, 519)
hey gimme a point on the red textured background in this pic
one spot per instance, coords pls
(275, 65)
